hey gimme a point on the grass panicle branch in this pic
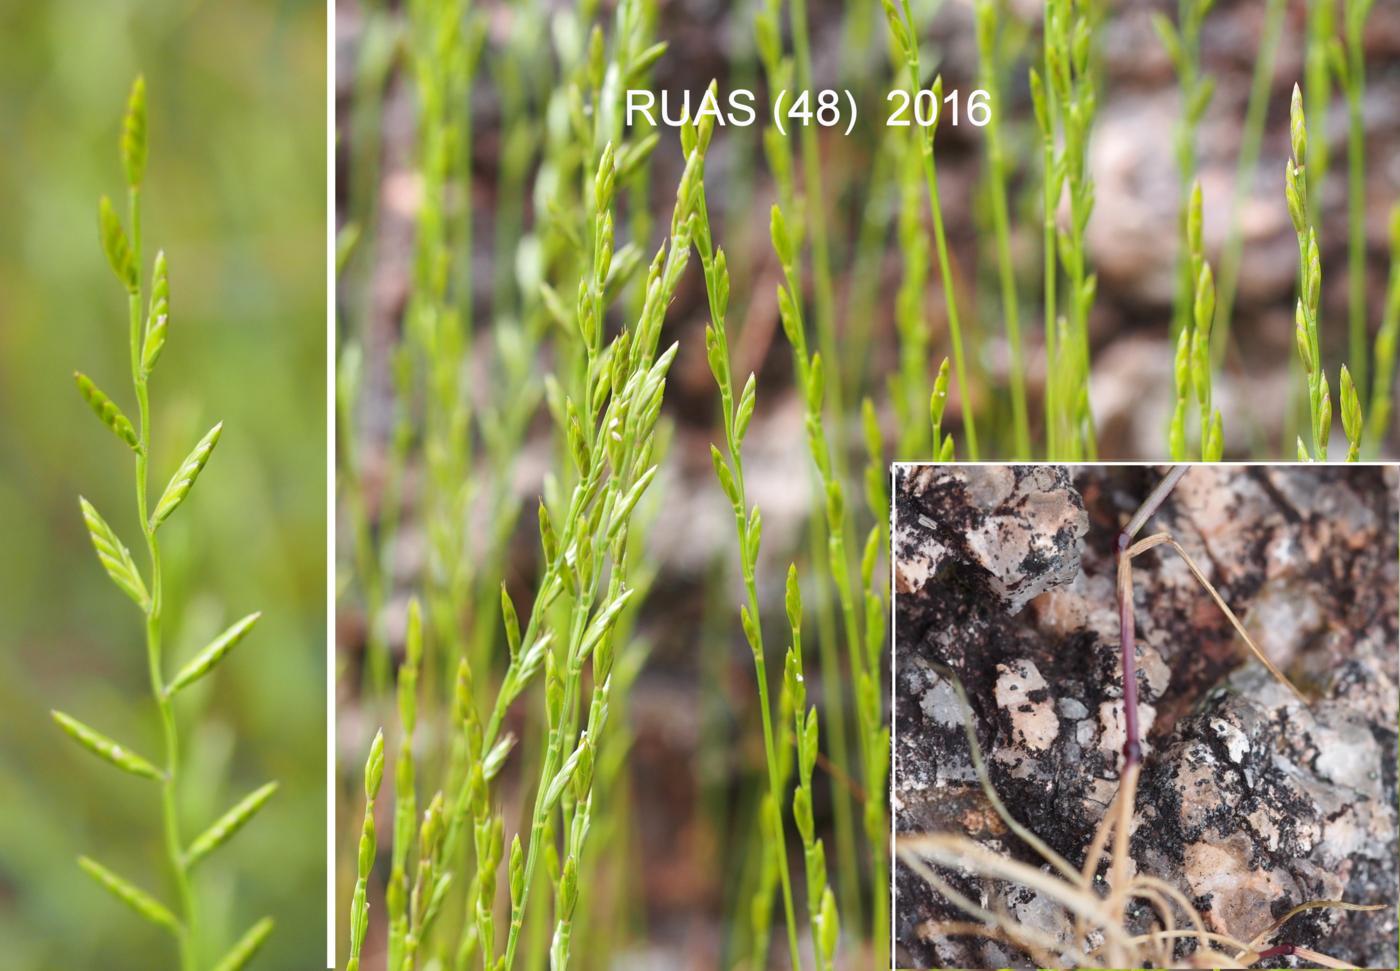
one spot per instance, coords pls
(905, 33)
(1307, 323)
(990, 15)
(1348, 57)
(148, 324)
(1251, 141)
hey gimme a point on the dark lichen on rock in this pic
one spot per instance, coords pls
(1249, 801)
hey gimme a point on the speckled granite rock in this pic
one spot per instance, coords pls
(1249, 801)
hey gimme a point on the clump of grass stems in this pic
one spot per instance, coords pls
(148, 326)
(609, 431)
(905, 34)
(1251, 141)
(1065, 98)
(989, 16)
(1307, 314)
(1195, 289)
(1348, 56)
(909, 390)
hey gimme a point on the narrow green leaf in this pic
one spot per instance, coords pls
(185, 475)
(247, 946)
(107, 411)
(116, 245)
(133, 143)
(134, 897)
(203, 662)
(115, 557)
(106, 749)
(228, 824)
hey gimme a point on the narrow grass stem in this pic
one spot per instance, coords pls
(950, 300)
(990, 72)
(905, 34)
(1354, 18)
(170, 821)
(816, 218)
(1250, 143)
(730, 469)
(1384, 379)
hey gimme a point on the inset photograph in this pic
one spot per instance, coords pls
(1145, 716)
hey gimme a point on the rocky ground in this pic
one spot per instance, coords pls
(1250, 802)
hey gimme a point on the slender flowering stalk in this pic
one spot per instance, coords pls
(729, 468)
(822, 916)
(1250, 143)
(824, 292)
(863, 675)
(1349, 64)
(1183, 45)
(909, 386)
(1306, 317)
(437, 320)
(147, 336)
(1065, 99)
(1317, 85)
(779, 72)
(905, 34)
(1386, 338)
(1193, 363)
(990, 72)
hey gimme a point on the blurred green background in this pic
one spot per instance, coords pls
(235, 194)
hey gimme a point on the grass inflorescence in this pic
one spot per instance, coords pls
(469, 654)
(148, 326)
